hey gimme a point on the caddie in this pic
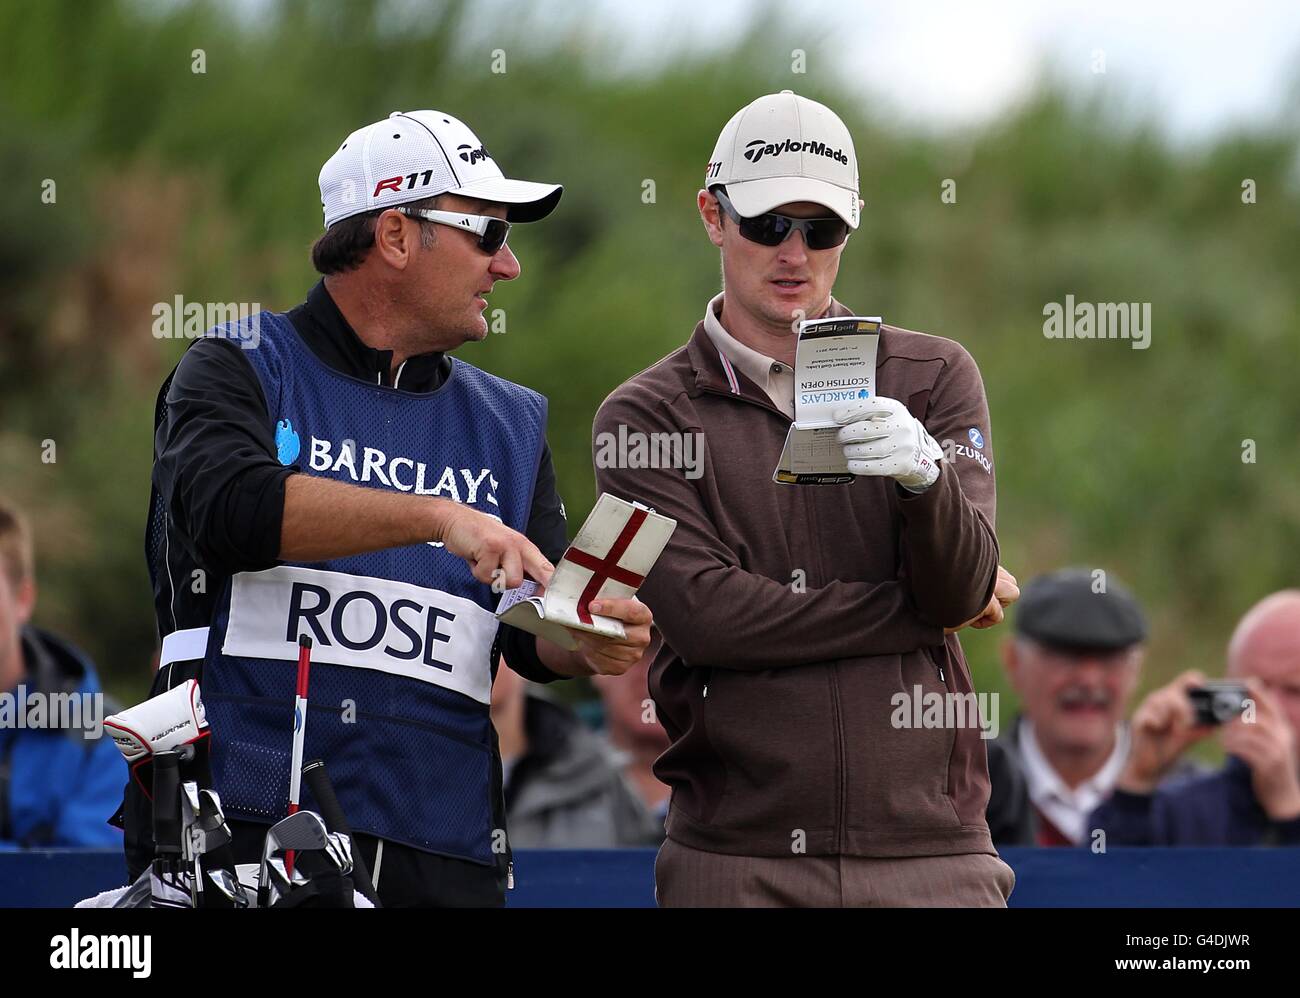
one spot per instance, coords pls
(799, 622)
(335, 472)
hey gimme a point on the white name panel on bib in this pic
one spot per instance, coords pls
(365, 623)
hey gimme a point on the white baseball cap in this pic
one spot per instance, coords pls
(784, 148)
(412, 155)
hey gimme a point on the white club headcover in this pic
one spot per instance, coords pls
(160, 723)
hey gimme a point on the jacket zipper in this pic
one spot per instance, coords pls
(939, 667)
(834, 680)
(839, 756)
(841, 753)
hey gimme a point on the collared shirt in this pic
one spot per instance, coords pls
(1065, 807)
(719, 602)
(771, 375)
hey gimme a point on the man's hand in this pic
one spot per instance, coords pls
(326, 519)
(486, 544)
(614, 656)
(1162, 729)
(880, 437)
(1268, 745)
(596, 654)
(1005, 592)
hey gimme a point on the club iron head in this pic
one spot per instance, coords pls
(212, 821)
(302, 831)
(228, 886)
(339, 852)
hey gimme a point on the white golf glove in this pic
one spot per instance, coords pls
(880, 437)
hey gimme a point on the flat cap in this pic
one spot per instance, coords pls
(1079, 608)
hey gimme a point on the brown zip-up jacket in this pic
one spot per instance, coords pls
(792, 615)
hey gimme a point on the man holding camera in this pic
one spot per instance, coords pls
(1255, 798)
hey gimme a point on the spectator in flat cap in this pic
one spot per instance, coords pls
(1074, 662)
(1254, 800)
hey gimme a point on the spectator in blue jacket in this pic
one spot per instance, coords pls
(1255, 798)
(60, 777)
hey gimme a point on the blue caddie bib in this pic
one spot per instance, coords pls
(401, 663)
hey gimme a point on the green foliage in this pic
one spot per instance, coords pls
(204, 184)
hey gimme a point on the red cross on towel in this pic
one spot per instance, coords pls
(607, 567)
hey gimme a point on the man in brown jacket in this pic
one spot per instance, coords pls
(795, 617)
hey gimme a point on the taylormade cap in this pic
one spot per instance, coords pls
(412, 155)
(784, 148)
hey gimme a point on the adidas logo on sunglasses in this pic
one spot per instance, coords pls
(756, 150)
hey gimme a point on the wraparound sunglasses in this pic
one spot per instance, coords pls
(491, 231)
(772, 229)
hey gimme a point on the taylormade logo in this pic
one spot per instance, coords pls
(77, 952)
(471, 155)
(756, 150)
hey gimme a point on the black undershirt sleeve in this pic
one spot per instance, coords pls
(215, 463)
(549, 531)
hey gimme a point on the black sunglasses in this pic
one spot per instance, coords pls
(772, 229)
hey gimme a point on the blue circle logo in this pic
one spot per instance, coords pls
(976, 437)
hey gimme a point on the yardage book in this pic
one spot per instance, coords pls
(835, 365)
(611, 556)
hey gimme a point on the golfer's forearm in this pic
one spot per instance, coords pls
(727, 618)
(328, 519)
(950, 551)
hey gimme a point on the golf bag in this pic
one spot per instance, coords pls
(305, 860)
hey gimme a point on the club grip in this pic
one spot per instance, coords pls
(313, 774)
(322, 791)
(167, 804)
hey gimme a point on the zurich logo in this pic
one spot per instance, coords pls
(287, 444)
(297, 718)
(976, 437)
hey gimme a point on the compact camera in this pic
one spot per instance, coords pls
(1218, 701)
